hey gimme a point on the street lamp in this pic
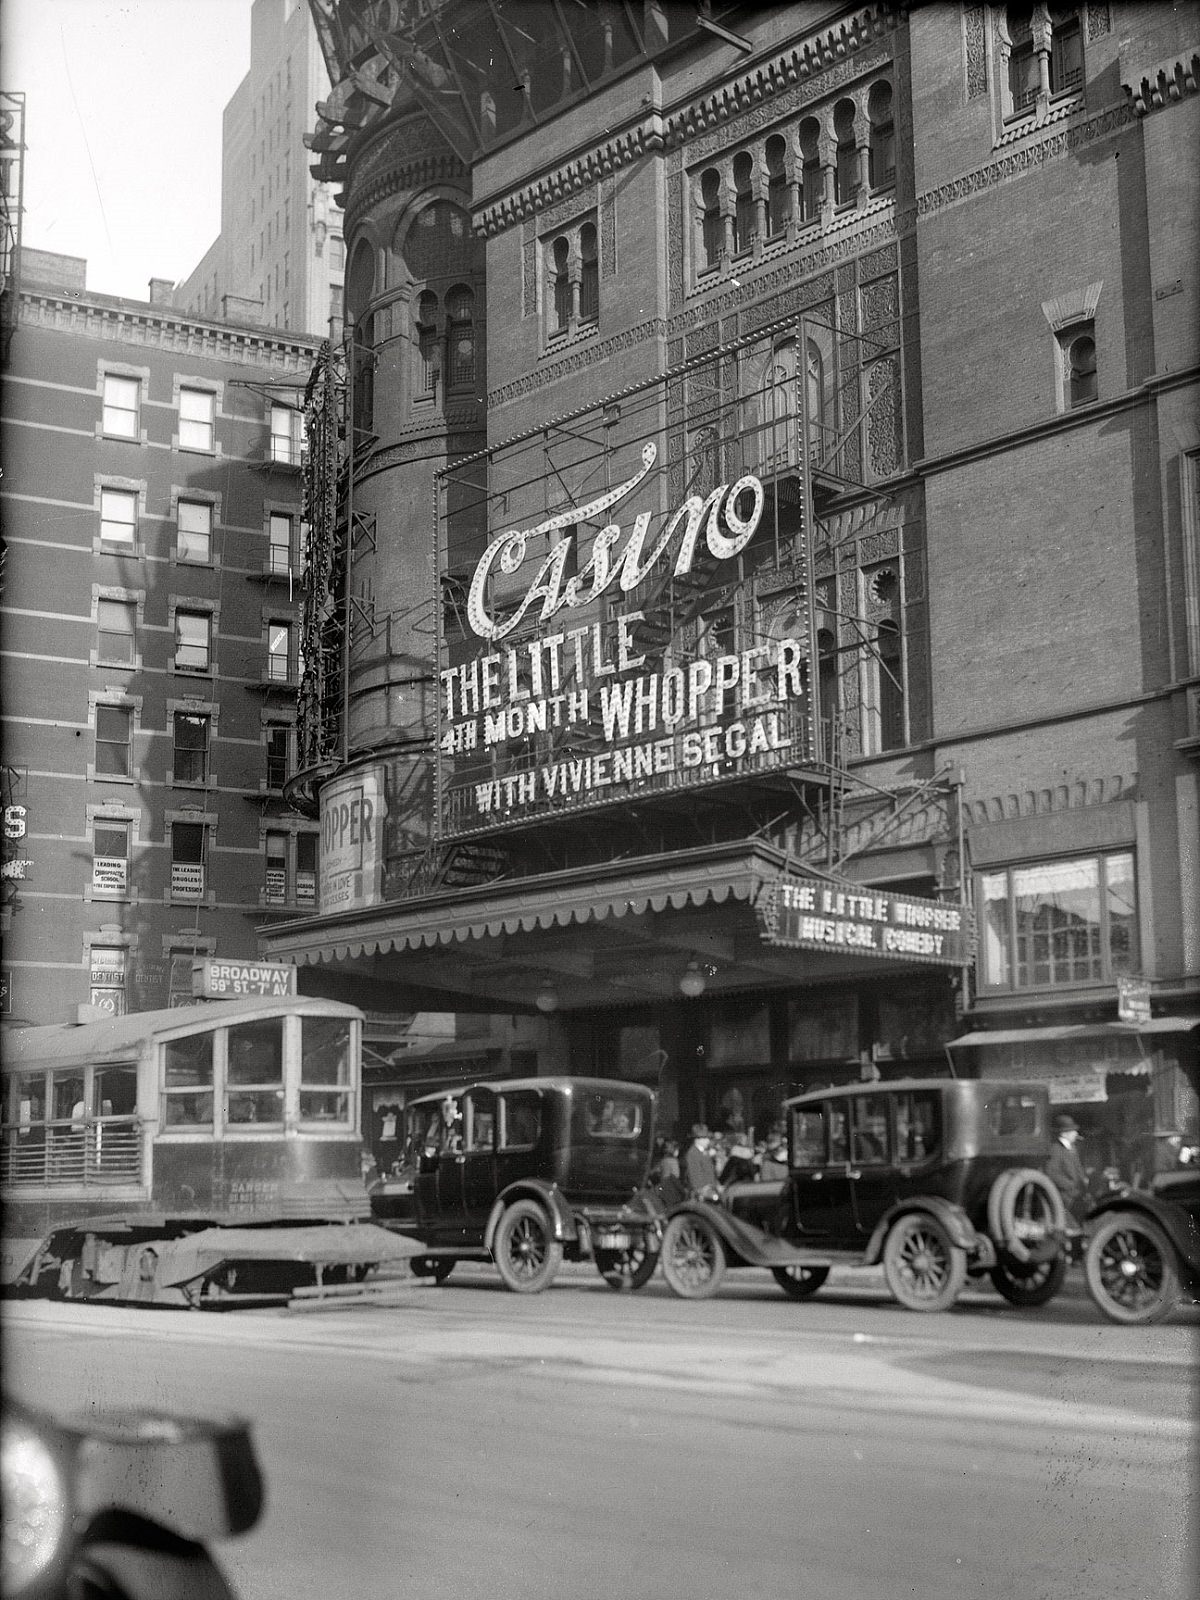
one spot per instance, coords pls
(691, 985)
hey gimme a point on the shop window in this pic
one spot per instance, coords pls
(187, 1100)
(287, 435)
(281, 663)
(277, 738)
(188, 860)
(193, 641)
(190, 733)
(254, 1074)
(118, 517)
(122, 398)
(110, 856)
(779, 195)
(114, 741)
(1059, 923)
(195, 519)
(116, 631)
(197, 408)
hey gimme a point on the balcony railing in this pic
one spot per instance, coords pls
(59, 1155)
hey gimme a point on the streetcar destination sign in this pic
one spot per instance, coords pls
(808, 915)
(229, 980)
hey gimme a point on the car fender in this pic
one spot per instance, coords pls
(743, 1239)
(1178, 1225)
(548, 1195)
(952, 1217)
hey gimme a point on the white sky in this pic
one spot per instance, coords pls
(123, 103)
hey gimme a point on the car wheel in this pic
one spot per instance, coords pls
(133, 1572)
(525, 1249)
(1026, 1215)
(438, 1268)
(1130, 1268)
(693, 1256)
(799, 1282)
(925, 1270)
(1029, 1283)
(626, 1270)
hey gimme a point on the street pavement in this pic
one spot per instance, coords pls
(466, 1442)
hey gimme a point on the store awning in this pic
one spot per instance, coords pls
(1076, 1030)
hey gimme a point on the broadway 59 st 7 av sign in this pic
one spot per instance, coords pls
(805, 914)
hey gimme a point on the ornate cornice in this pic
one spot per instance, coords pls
(1165, 84)
(1076, 795)
(166, 331)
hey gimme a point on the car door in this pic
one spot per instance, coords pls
(819, 1187)
(874, 1186)
(477, 1162)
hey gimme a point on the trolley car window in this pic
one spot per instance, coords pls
(325, 1069)
(188, 1082)
(254, 1078)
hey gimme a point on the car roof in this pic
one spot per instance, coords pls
(584, 1085)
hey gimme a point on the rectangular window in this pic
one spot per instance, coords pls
(287, 435)
(196, 411)
(325, 1056)
(279, 652)
(193, 640)
(118, 517)
(337, 253)
(281, 550)
(306, 869)
(276, 863)
(191, 730)
(110, 856)
(187, 860)
(116, 623)
(114, 740)
(195, 531)
(188, 1080)
(278, 739)
(106, 986)
(1059, 923)
(254, 1083)
(120, 406)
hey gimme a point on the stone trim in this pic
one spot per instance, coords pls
(1165, 84)
(87, 319)
(1077, 795)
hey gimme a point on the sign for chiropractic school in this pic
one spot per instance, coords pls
(849, 919)
(353, 808)
(584, 715)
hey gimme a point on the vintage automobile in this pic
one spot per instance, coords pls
(936, 1179)
(1143, 1249)
(527, 1173)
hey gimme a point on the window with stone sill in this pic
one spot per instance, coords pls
(1041, 57)
(1080, 375)
(1057, 923)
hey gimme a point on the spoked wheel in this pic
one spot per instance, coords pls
(799, 1282)
(525, 1250)
(1029, 1283)
(1131, 1270)
(693, 1257)
(438, 1268)
(626, 1270)
(924, 1268)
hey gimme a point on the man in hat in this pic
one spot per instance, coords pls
(1065, 1168)
(699, 1169)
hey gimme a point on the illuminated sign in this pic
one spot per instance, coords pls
(807, 914)
(580, 702)
(351, 851)
(229, 980)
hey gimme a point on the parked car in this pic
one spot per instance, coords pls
(938, 1180)
(1143, 1249)
(527, 1173)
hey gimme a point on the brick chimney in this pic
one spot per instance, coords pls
(162, 292)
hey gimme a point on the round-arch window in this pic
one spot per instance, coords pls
(360, 281)
(1081, 362)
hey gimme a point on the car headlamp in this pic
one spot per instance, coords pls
(35, 1503)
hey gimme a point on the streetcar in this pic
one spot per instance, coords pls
(206, 1155)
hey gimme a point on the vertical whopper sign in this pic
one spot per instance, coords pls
(353, 808)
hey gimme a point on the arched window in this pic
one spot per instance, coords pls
(743, 212)
(779, 198)
(810, 173)
(713, 226)
(1082, 382)
(882, 151)
(814, 399)
(1024, 78)
(845, 172)
(427, 342)
(460, 338)
(589, 274)
(827, 692)
(891, 686)
(562, 285)
(360, 284)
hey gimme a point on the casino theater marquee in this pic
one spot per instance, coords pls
(575, 713)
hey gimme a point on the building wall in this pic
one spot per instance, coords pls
(57, 460)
